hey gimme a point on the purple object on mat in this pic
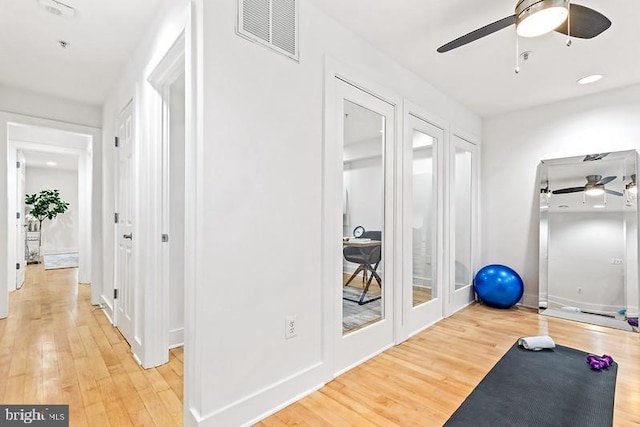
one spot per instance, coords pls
(633, 321)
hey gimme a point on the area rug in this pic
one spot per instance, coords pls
(54, 261)
(540, 388)
(355, 315)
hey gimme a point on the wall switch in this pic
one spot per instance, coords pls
(291, 330)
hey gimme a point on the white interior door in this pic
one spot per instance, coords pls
(363, 163)
(422, 223)
(124, 296)
(463, 232)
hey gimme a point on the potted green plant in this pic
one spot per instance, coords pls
(46, 205)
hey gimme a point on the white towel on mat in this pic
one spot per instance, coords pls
(537, 343)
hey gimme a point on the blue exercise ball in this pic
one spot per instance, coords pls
(498, 286)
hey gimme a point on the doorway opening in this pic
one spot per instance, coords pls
(49, 158)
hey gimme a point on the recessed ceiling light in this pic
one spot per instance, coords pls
(598, 206)
(52, 164)
(589, 79)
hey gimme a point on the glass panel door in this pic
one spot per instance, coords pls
(462, 231)
(422, 223)
(463, 201)
(363, 175)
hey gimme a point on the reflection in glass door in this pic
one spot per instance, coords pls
(422, 220)
(363, 217)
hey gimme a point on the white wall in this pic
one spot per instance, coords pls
(28, 103)
(59, 235)
(260, 165)
(514, 144)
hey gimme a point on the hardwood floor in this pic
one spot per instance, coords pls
(56, 347)
(422, 381)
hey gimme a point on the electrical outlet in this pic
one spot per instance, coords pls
(290, 327)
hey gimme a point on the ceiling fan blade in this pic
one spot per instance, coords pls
(568, 190)
(585, 23)
(615, 193)
(478, 34)
(606, 180)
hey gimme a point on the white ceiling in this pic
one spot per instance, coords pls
(481, 74)
(101, 37)
(39, 159)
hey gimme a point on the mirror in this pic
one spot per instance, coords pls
(589, 239)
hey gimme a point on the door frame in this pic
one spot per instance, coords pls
(331, 260)
(169, 68)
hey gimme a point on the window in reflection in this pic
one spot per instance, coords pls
(423, 215)
(363, 217)
(463, 201)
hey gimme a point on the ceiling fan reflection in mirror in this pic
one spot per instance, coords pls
(534, 18)
(595, 186)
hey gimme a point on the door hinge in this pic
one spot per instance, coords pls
(116, 217)
(17, 215)
(165, 238)
(17, 266)
(115, 294)
(18, 164)
(117, 141)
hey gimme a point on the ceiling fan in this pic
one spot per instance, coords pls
(533, 18)
(594, 187)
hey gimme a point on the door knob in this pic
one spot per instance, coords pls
(128, 236)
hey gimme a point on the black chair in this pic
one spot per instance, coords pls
(368, 258)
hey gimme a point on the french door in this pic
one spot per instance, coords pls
(463, 225)
(422, 223)
(362, 166)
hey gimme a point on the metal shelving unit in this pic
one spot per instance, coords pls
(32, 246)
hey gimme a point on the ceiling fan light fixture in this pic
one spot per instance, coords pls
(537, 17)
(594, 191)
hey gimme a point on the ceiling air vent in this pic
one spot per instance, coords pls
(272, 23)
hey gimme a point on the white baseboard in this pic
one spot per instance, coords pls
(267, 401)
(176, 338)
(107, 308)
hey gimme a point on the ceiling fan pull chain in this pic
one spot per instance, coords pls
(517, 70)
(569, 23)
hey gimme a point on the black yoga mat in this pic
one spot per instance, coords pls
(540, 388)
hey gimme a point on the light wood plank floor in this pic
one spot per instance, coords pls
(56, 347)
(422, 381)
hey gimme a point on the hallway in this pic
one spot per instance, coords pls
(56, 347)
